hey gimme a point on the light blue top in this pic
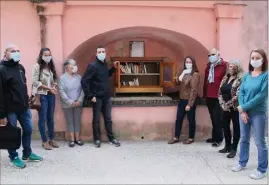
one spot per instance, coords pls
(253, 93)
(70, 90)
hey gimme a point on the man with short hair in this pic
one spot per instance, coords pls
(214, 73)
(14, 103)
(96, 89)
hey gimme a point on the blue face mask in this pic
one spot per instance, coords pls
(16, 56)
(101, 56)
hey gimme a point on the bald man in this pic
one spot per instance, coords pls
(14, 103)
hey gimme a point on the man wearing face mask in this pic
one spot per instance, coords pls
(96, 88)
(14, 103)
(214, 73)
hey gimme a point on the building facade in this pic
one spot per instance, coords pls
(172, 29)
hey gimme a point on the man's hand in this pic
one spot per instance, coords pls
(116, 64)
(93, 99)
(187, 108)
(3, 122)
(225, 108)
(244, 117)
(74, 104)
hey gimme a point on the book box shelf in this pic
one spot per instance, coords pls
(143, 74)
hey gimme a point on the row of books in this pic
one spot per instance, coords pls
(133, 68)
(135, 82)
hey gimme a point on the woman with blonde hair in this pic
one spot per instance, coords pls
(228, 100)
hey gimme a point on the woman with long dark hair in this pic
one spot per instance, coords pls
(189, 82)
(252, 107)
(44, 83)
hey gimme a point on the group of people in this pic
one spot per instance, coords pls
(230, 96)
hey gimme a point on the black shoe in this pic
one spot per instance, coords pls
(79, 142)
(97, 143)
(114, 142)
(210, 140)
(216, 144)
(232, 154)
(225, 150)
(71, 144)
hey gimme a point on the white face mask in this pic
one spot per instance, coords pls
(256, 63)
(101, 56)
(47, 59)
(188, 66)
(75, 69)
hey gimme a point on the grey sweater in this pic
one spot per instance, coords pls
(70, 90)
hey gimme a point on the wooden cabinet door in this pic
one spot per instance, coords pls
(169, 81)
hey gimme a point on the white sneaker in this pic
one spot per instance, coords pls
(237, 168)
(257, 175)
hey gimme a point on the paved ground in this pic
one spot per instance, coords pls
(152, 162)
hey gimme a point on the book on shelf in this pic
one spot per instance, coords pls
(135, 82)
(130, 68)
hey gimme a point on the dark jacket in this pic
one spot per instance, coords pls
(211, 89)
(233, 102)
(13, 88)
(95, 80)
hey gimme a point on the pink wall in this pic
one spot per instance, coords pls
(189, 27)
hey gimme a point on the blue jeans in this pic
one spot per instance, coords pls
(46, 114)
(180, 117)
(258, 123)
(26, 123)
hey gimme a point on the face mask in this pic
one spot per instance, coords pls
(212, 58)
(256, 63)
(101, 56)
(75, 69)
(188, 66)
(232, 71)
(16, 56)
(47, 59)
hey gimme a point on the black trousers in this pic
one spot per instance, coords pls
(104, 107)
(180, 117)
(215, 112)
(227, 118)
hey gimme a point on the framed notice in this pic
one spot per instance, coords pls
(137, 49)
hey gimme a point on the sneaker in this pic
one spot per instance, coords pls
(33, 157)
(237, 168)
(18, 163)
(114, 142)
(97, 143)
(257, 175)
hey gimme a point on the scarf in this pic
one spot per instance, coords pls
(211, 74)
(184, 72)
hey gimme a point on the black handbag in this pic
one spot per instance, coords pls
(10, 137)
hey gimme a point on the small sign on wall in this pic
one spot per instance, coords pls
(137, 49)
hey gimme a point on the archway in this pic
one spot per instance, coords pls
(167, 43)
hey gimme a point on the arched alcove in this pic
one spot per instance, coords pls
(175, 44)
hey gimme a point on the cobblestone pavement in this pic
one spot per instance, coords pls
(144, 162)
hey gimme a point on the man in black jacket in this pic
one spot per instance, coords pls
(14, 103)
(96, 88)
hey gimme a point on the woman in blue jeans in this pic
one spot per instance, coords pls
(44, 84)
(253, 109)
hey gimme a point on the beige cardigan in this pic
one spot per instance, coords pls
(41, 78)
